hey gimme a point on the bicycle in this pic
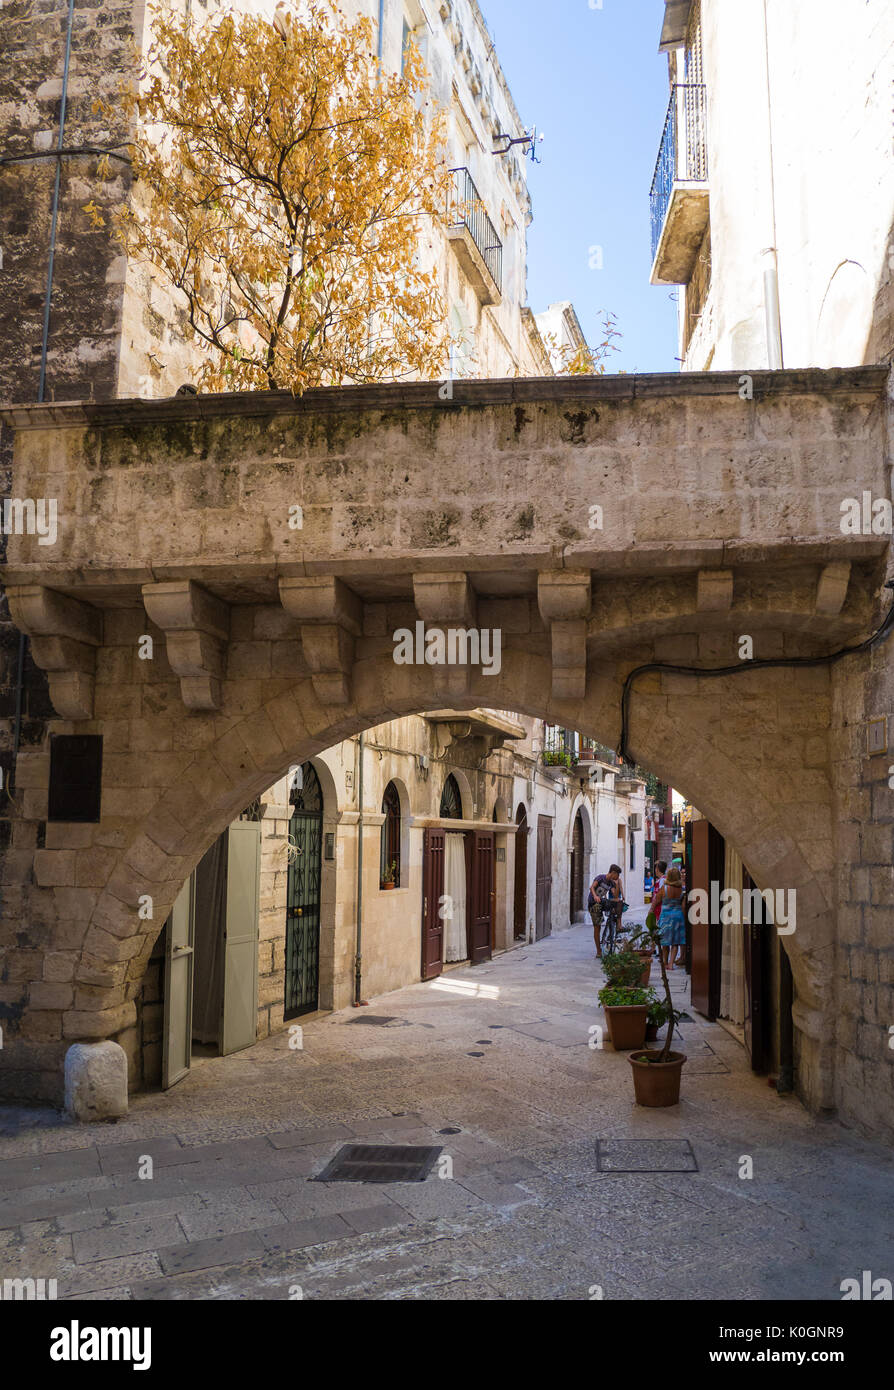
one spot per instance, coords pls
(612, 909)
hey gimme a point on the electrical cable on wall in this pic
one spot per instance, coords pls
(802, 661)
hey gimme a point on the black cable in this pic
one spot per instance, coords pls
(880, 632)
(67, 150)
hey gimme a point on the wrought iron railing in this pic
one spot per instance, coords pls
(467, 210)
(684, 150)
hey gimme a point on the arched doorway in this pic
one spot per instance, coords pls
(303, 893)
(520, 895)
(576, 900)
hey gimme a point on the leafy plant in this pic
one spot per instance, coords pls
(388, 875)
(672, 1016)
(622, 968)
(619, 996)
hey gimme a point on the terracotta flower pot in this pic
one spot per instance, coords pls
(387, 885)
(626, 1025)
(657, 1083)
(652, 1032)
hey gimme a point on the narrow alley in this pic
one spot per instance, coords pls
(558, 1186)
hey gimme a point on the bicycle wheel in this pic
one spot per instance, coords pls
(608, 933)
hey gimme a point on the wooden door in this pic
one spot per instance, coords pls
(480, 894)
(303, 880)
(520, 891)
(179, 961)
(757, 980)
(543, 923)
(705, 937)
(576, 901)
(239, 1023)
(432, 893)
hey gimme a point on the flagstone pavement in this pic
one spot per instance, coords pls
(551, 1183)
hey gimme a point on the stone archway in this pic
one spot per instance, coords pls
(267, 649)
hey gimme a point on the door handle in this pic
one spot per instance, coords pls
(299, 911)
(182, 951)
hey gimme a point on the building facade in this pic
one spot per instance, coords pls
(773, 212)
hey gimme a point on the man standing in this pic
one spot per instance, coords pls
(604, 888)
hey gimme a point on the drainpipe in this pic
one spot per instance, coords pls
(772, 315)
(358, 957)
(44, 346)
(381, 28)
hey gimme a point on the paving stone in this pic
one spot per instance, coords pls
(201, 1254)
(74, 1281)
(295, 1138)
(295, 1235)
(129, 1239)
(45, 1169)
(223, 1219)
(376, 1218)
(166, 1151)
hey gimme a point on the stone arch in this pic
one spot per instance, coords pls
(500, 811)
(703, 736)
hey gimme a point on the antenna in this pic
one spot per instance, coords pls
(530, 139)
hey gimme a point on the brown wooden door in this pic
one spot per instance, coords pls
(520, 892)
(704, 937)
(543, 923)
(577, 868)
(757, 979)
(432, 892)
(480, 894)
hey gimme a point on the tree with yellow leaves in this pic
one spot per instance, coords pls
(283, 184)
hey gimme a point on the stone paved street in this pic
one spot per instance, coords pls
(494, 1065)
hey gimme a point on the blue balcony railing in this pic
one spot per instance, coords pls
(683, 155)
(467, 210)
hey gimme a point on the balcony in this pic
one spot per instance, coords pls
(474, 239)
(679, 196)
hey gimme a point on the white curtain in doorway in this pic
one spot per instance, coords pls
(732, 955)
(455, 945)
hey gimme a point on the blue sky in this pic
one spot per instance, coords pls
(594, 82)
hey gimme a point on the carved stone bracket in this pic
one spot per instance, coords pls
(831, 591)
(64, 636)
(331, 617)
(196, 627)
(447, 600)
(565, 600)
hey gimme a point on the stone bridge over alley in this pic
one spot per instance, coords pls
(271, 548)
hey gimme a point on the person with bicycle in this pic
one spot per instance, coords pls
(606, 898)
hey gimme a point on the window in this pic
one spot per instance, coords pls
(451, 801)
(389, 855)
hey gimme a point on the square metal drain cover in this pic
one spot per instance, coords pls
(645, 1156)
(380, 1163)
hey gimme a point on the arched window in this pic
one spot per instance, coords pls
(451, 801)
(389, 855)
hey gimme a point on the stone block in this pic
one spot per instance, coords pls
(96, 1082)
(42, 995)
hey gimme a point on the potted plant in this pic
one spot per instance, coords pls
(626, 1008)
(388, 875)
(657, 1072)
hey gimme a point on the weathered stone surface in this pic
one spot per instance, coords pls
(96, 1083)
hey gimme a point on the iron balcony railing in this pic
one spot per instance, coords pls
(467, 210)
(684, 150)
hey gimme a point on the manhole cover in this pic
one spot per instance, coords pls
(645, 1156)
(380, 1163)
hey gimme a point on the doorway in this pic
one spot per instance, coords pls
(520, 890)
(302, 986)
(543, 921)
(576, 902)
(210, 999)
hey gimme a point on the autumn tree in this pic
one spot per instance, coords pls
(284, 184)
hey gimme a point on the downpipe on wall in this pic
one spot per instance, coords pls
(358, 955)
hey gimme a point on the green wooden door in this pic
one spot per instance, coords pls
(303, 895)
